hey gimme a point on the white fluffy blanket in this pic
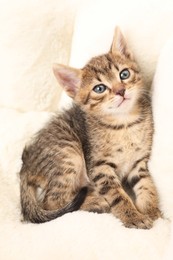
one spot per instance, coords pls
(36, 34)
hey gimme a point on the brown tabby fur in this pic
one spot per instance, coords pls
(95, 155)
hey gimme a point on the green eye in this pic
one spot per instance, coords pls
(124, 74)
(99, 88)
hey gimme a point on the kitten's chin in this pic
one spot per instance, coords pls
(123, 102)
(122, 107)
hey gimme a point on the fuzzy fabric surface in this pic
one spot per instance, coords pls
(34, 35)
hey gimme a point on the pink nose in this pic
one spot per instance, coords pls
(120, 92)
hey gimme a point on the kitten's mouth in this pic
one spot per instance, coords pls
(124, 99)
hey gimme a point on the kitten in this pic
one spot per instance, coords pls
(94, 156)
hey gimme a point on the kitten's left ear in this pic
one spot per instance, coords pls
(69, 78)
(119, 44)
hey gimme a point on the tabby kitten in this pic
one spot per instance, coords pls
(94, 156)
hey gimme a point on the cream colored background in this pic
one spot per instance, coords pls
(33, 35)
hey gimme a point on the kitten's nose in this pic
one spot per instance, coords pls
(120, 92)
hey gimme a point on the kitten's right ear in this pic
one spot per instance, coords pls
(119, 44)
(69, 78)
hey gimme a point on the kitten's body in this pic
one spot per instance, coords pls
(103, 142)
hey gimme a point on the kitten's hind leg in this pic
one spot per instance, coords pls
(66, 180)
(95, 203)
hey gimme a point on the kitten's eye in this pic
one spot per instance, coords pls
(99, 88)
(124, 74)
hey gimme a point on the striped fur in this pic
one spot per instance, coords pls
(94, 156)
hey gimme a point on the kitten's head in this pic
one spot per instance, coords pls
(108, 84)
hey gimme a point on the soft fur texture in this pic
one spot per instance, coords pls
(34, 35)
(83, 235)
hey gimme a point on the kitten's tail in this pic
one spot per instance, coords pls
(34, 213)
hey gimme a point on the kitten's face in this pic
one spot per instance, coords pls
(108, 85)
(111, 84)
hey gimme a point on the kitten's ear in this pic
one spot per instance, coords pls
(69, 78)
(119, 44)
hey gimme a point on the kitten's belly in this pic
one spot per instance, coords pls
(122, 147)
(125, 160)
(122, 154)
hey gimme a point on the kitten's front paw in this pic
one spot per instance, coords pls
(139, 221)
(154, 214)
